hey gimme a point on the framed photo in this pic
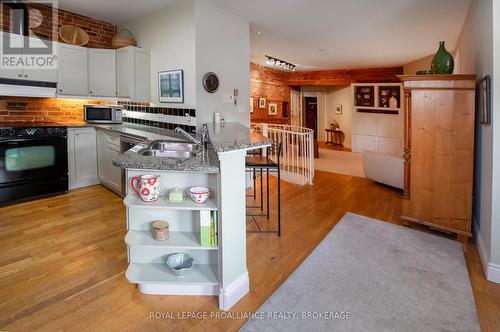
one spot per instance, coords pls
(262, 102)
(273, 109)
(251, 105)
(485, 96)
(338, 109)
(171, 86)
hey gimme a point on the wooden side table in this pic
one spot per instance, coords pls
(334, 136)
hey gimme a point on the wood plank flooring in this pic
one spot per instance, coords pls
(62, 260)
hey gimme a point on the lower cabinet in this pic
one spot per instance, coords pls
(381, 133)
(82, 157)
(108, 149)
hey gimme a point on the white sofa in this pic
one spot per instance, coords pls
(384, 168)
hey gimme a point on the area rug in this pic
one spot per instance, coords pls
(340, 162)
(369, 275)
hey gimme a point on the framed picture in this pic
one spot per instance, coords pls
(171, 86)
(262, 102)
(273, 109)
(485, 96)
(338, 109)
(251, 105)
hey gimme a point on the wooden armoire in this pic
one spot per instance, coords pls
(439, 151)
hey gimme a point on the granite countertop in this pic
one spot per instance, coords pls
(205, 162)
(226, 137)
(231, 136)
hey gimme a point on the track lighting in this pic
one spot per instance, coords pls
(279, 63)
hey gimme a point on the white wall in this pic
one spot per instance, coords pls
(340, 95)
(477, 56)
(223, 47)
(169, 34)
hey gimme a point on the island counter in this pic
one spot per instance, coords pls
(218, 270)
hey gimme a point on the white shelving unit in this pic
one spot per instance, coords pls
(376, 128)
(147, 256)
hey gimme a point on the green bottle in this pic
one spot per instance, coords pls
(443, 62)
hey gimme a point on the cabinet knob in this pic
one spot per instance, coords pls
(91, 91)
(60, 90)
(25, 75)
(19, 75)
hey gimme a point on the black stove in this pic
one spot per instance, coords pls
(33, 160)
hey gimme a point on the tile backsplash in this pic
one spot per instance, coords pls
(158, 116)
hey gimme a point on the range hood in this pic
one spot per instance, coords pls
(27, 88)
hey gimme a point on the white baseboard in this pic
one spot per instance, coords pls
(172, 289)
(234, 292)
(491, 271)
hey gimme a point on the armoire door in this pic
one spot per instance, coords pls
(442, 148)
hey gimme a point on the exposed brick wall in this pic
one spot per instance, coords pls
(23, 109)
(269, 84)
(100, 33)
(275, 85)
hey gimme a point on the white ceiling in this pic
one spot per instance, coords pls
(323, 34)
(113, 11)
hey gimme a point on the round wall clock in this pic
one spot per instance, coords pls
(211, 82)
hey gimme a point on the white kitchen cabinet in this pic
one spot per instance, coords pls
(82, 157)
(133, 73)
(108, 149)
(390, 145)
(378, 133)
(72, 70)
(26, 72)
(102, 72)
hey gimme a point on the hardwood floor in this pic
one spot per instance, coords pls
(62, 260)
(322, 145)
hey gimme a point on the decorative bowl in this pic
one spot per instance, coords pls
(179, 263)
(199, 194)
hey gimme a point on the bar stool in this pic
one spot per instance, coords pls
(258, 162)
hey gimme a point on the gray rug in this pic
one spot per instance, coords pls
(368, 275)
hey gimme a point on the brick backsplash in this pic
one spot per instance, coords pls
(100, 33)
(24, 109)
(159, 117)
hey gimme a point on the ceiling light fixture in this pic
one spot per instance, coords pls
(279, 63)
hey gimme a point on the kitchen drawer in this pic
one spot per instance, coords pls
(113, 140)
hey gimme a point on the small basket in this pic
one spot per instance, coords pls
(119, 41)
(73, 35)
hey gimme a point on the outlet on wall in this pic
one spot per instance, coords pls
(227, 98)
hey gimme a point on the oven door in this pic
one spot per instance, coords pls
(98, 114)
(28, 160)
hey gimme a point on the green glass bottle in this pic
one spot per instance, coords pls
(443, 62)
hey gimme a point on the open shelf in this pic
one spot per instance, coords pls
(184, 240)
(163, 203)
(156, 273)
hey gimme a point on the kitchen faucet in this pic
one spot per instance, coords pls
(203, 135)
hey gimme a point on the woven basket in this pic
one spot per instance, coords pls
(73, 35)
(122, 41)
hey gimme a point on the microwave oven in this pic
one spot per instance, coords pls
(103, 113)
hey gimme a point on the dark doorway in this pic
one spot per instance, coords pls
(311, 107)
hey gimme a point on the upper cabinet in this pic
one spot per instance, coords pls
(133, 73)
(26, 71)
(102, 72)
(72, 70)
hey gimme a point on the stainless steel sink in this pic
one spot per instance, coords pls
(170, 149)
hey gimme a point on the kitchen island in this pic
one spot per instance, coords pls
(218, 270)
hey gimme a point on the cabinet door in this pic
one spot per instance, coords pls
(390, 145)
(366, 124)
(364, 143)
(114, 173)
(71, 159)
(102, 72)
(102, 156)
(124, 72)
(85, 157)
(14, 41)
(442, 155)
(389, 126)
(44, 75)
(72, 70)
(142, 76)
